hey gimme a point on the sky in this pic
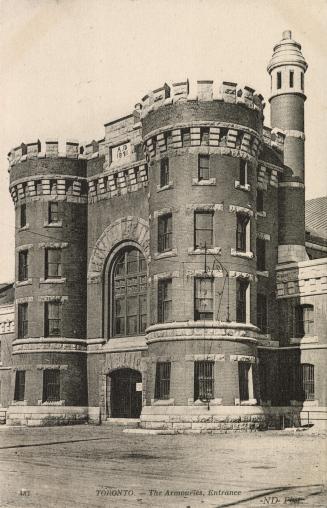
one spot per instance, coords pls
(67, 67)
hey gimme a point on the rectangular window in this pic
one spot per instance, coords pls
(262, 313)
(261, 254)
(164, 172)
(23, 265)
(165, 301)
(241, 289)
(51, 385)
(203, 230)
(52, 263)
(291, 79)
(279, 80)
(203, 167)
(243, 172)
(19, 385)
(53, 212)
(203, 380)
(302, 81)
(260, 201)
(245, 381)
(242, 221)
(23, 216)
(205, 136)
(22, 320)
(304, 320)
(52, 319)
(186, 137)
(162, 388)
(165, 226)
(203, 304)
(308, 381)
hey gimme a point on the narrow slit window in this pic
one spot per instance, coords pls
(279, 80)
(291, 79)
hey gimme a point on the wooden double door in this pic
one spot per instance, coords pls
(125, 393)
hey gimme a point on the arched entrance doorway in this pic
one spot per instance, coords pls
(125, 393)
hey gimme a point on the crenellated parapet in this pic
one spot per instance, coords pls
(274, 138)
(50, 150)
(206, 91)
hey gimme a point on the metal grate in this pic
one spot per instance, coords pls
(162, 388)
(203, 380)
(51, 385)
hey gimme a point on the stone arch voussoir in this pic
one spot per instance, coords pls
(124, 229)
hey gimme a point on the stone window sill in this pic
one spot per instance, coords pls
(241, 254)
(212, 402)
(56, 403)
(162, 402)
(304, 340)
(168, 254)
(262, 214)
(310, 403)
(53, 224)
(24, 228)
(27, 282)
(199, 251)
(165, 187)
(246, 187)
(210, 181)
(19, 403)
(250, 402)
(59, 280)
(263, 273)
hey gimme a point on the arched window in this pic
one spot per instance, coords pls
(129, 293)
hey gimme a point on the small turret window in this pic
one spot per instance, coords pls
(279, 80)
(302, 81)
(291, 79)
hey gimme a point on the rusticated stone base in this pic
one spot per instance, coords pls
(35, 416)
(186, 420)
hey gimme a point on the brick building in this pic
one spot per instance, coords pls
(164, 272)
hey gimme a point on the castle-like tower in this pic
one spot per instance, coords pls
(146, 261)
(286, 68)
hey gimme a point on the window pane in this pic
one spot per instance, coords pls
(203, 299)
(203, 229)
(243, 372)
(241, 287)
(129, 307)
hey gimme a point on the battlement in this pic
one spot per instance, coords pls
(50, 149)
(274, 138)
(227, 92)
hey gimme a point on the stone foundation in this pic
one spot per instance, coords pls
(186, 420)
(51, 415)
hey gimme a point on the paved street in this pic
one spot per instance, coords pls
(90, 466)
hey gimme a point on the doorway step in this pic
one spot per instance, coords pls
(131, 423)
